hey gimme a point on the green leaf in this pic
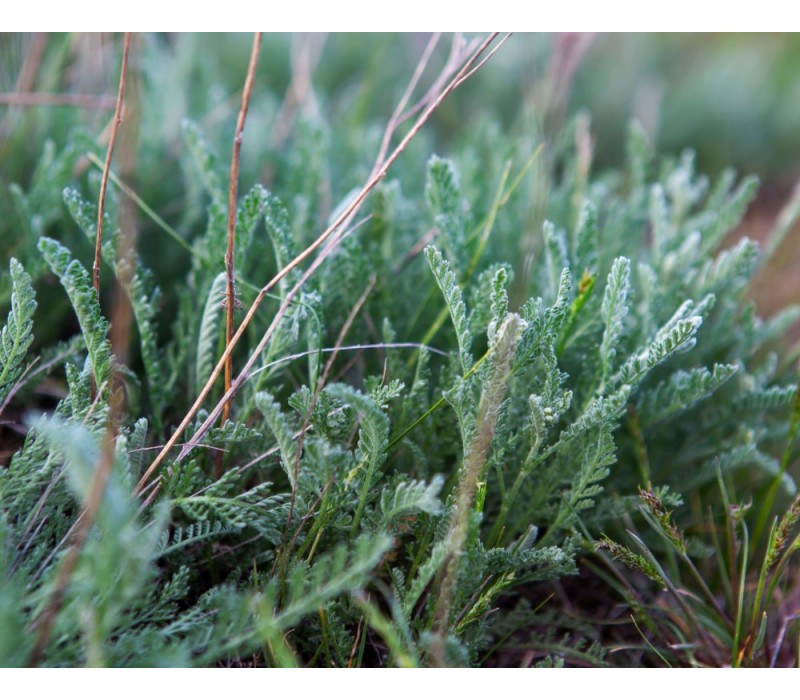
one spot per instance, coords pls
(17, 335)
(279, 426)
(280, 233)
(681, 391)
(443, 194)
(587, 243)
(730, 214)
(342, 570)
(206, 161)
(77, 283)
(373, 435)
(411, 497)
(210, 328)
(448, 283)
(143, 294)
(499, 303)
(676, 335)
(613, 311)
(248, 216)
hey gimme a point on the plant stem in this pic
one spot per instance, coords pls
(230, 295)
(101, 205)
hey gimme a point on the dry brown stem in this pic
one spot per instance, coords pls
(109, 151)
(474, 70)
(230, 289)
(395, 119)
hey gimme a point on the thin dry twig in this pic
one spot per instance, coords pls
(336, 348)
(395, 119)
(348, 213)
(467, 76)
(459, 50)
(104, 182)
(355, 643)
(230, 290)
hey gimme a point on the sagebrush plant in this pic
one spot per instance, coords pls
(455, 399)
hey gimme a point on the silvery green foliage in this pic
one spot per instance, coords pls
(16, 336)
(320, 516)
(448, 283)
(141, 291)
(279, 426)
(410, 498)
(680, 391)
(77, 283)
(614, 310)
(208, 337)
(443, 192)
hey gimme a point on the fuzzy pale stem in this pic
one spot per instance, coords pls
(474, 463)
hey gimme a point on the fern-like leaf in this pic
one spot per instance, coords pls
(411, 497)
(673, 337)
(78, 285)
(448, 283)
(17, 335)
(344, 569)
(143, 294)
(279, 426)
(614, 310)
(208, 337)
(373, 436)
(280, 232)
(206, 161)
(248, 217)
(730, 214)
(192, 534)
(587, 242)
(499, 303)
(681, 391)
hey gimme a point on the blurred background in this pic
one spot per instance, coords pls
(734, 99)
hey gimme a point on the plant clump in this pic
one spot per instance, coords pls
(444, 405)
